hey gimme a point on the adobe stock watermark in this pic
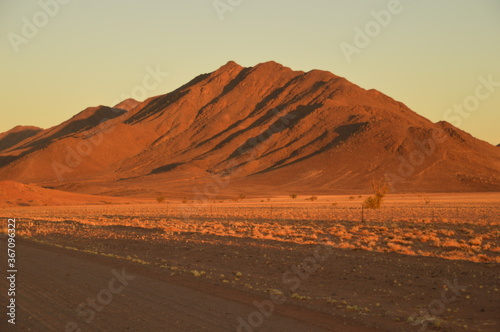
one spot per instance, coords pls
(437, 306)
(223, 6)
(416, 158)
(85, 147)
(373, 28)
(454, 115)
(280, 121)
(483, 91)
(31, 26)
(87, 310)
(151, 81)
(292, 279)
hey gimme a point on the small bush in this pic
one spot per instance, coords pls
(313, 198)
(160, 199)
(293, 196)
(372, 202)
(380, 189)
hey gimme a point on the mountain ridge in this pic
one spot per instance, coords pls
(331, 134)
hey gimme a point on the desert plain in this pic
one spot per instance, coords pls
(420, 262)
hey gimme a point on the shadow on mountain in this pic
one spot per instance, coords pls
(273, 95)
(165, 168)
(157, 105)
(286, 121)
(228, 88)
(99, 116)
(14, 138)
(344, 132)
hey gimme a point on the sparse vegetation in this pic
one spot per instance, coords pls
(380, 189)
(293, 196)
(407, 227)
(160, 199)
(240, 197)
(451, 229)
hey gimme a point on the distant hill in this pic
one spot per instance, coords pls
(19, 194)
(17, 134)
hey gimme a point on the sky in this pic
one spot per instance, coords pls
(440, 58)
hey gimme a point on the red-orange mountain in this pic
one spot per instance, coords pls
(258, 130)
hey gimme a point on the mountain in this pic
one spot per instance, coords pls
(17, 135)
(257, 130)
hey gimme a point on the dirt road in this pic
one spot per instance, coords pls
(60, 290)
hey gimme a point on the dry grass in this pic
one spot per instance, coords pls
(449, 230)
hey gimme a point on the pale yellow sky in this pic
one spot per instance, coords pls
(434, 56)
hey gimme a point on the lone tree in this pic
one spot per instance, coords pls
(380, 189)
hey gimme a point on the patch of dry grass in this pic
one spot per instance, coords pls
(447, 230)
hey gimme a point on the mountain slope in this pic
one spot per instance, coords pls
(19, 194)
(16, 135)
(256, 129)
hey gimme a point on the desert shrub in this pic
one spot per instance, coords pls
(372, 202)
(293, 196)
(380, 189)
(237, 199)
(160, 199)
(313, 198)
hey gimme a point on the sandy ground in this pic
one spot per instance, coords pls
(422, 262)
(56, 285)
